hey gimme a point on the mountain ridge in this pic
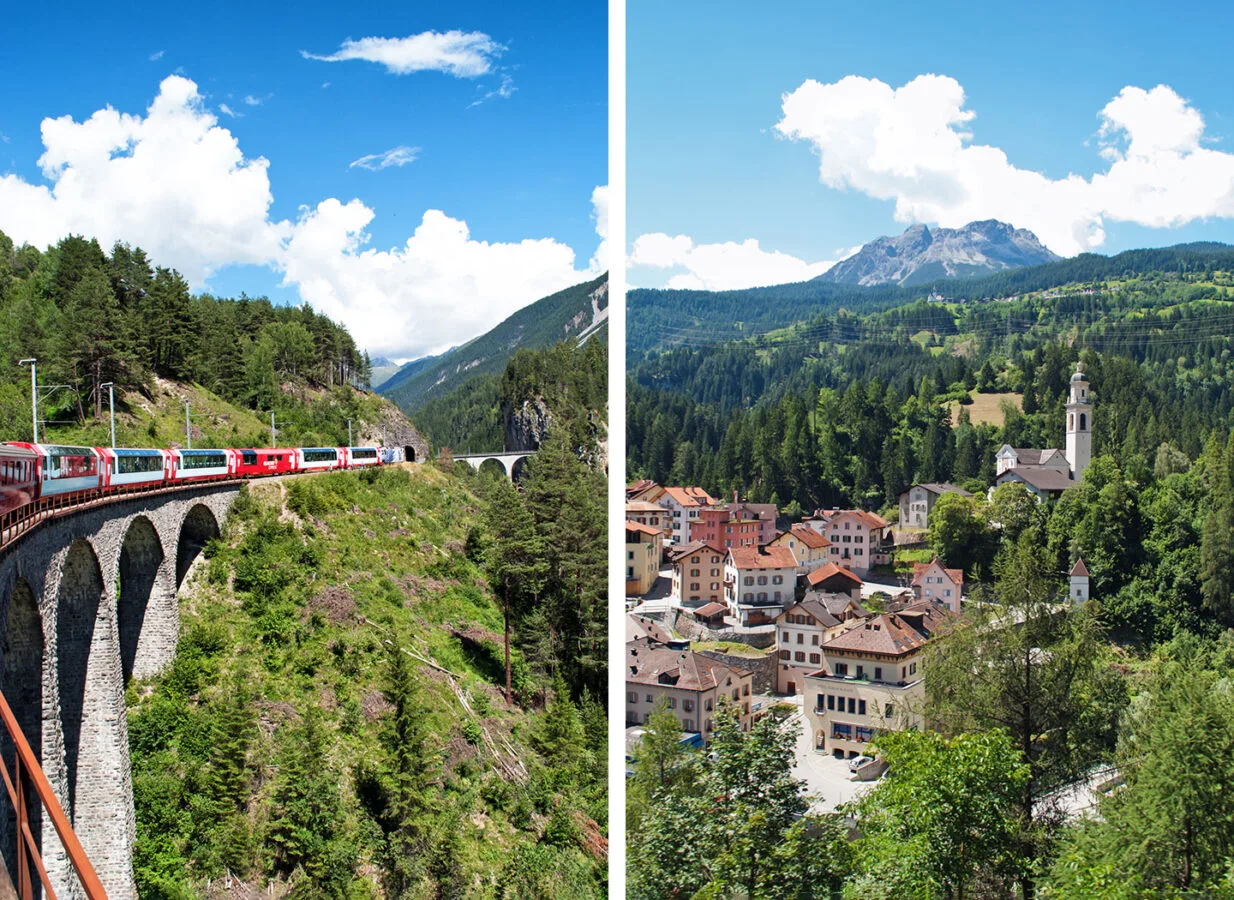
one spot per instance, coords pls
(921, 255)
(579, 311)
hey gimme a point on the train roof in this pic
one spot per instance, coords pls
(133, 451)
(199, 452)
(19, 450)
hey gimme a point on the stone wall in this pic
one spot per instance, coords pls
(87, 601)
(687, 626)
(763, 668)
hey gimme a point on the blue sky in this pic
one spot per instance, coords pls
(705, 161)
(519, 165)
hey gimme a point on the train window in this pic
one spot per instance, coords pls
(71, 462)
(363, 453)
(320, 455)
(202, 459)
(132, 464)
(248, 457)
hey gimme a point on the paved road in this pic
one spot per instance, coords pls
(828, 781)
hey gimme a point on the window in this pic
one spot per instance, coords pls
(815, 658)
(801, 638)
(762, 579)
(777, 579)
(689, 725)
(694, 573)
(650, 699)
(631, 697)
(745, 691)
(694, 586)
(878, 673)
(707, 706)
(819, 703)
(784, 636)
(204, 459)
(861, 707)
(709, 728)
(736, 694)
(363, 453)
(321, 455)
(138, 461)
(861, 671)
(852, 704)
(800, 657)
(831, 701)
(688, 705)
(672, 702)
(749, 580)
(912, 668)
(786, 654)
(841, 668)
(814, 639)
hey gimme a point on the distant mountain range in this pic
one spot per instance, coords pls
(579, 311)
(922, 255)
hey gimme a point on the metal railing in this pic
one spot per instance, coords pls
(26, 770)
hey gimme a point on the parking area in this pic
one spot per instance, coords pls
(828, 780)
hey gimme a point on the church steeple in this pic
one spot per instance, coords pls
(1079, 424)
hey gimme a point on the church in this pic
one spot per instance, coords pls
(1047, 473)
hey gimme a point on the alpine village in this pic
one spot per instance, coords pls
(929, 585)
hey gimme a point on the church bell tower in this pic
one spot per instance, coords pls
(1079, 424)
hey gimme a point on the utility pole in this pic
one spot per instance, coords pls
(111, 403)
(34, 396)
(274, 442)
(349, 432)
(188, 424)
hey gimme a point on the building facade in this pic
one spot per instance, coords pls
(858, 538)
(803, 628)
(934, 583)
(698, 574)
(808, 547)
(759, 583)
(917, 501)
(644, 549)
(721, 526)
(683, 505)
(691, 686)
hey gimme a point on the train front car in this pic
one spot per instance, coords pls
(18, 476)
(200, 465)
(318, 459)
(265, 461)
(124, 466)
(362, 456)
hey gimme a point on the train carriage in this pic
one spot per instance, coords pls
(310, 459)
(192, 465)
(18, 477)
(126, 466)
(256, 462)
(66, 470)
(355, 457)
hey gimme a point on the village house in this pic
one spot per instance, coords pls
(691, 685)
(1078, 583)
(683, 505)
(831, 579)
(698, 574)
(932, 582)
(644, 489)
(722, 527)
(808, 547)
(801, 631)
(647, 513)
(764, 513)
(859, 539)
(644, 549)
(917, 501)
(871, 679)
(759, 583)
(1047, 473)
(638, 627)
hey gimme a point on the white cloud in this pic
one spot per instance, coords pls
(913, 145)
(599, 214)
(395, 156)
(227, 111)
(176, 183)
(505, 91)
(250, 100)
(157, 55)
(461, 54)
(720, 267)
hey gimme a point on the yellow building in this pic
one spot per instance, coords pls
(644, 547)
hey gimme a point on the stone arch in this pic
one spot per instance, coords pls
(77, 613)
(199, 527)
(140, 593)
(518, 468)
(21, 679)
(494, 465)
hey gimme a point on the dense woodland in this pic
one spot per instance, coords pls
(851, 409)
(571, 381)
(91, 318)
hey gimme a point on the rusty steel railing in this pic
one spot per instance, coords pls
(26, 764)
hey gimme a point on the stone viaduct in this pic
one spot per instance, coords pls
(510, 461)
(87, 602)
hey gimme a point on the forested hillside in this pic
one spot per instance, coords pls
(92, 317)
(335, 723)
(568, 379)
(662, 319)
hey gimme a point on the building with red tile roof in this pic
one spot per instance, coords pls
(933, 582)
(691, 685)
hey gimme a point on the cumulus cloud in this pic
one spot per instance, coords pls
(914, 145)
(395, 156)
(720, 267)
(176, 183)
(463, 54)
(599, 215)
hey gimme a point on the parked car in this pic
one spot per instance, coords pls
(858, 762)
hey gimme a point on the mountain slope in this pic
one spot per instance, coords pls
(578, 311)
(921, 255)
(390, 376)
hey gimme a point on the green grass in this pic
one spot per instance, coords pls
(733, 648)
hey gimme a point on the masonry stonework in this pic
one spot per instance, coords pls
(86, 602)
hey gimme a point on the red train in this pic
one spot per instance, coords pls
(30, 472)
